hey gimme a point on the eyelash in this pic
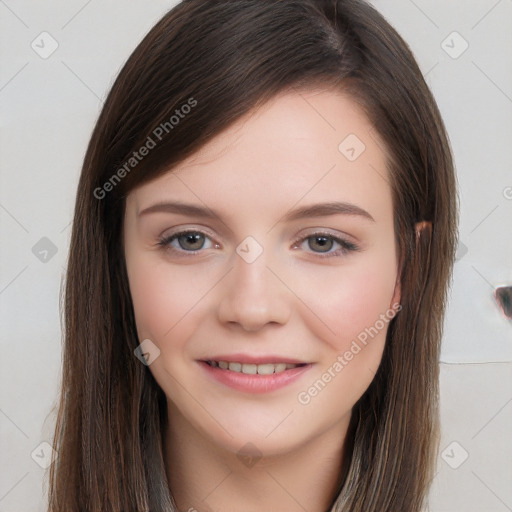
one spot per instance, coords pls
(346, 246)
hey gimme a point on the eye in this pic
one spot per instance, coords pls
(323, 243)
(190, 241)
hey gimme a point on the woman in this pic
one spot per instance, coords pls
(264, 232)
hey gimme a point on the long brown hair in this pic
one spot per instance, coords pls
(223, 58)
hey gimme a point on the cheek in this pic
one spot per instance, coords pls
(345, 302)
(352, 322)
(165, 301)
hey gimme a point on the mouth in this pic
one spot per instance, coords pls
(254, 375)
(254, 368)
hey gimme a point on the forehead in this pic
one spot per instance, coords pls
(294, 122)
(300, 146)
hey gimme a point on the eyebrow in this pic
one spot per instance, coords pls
(315, 210)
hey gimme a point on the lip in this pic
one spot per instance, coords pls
(248, 359)
(255, 383)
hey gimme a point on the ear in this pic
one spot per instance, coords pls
(397, 293)
(420, 226)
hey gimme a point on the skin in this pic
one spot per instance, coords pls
(290, 301)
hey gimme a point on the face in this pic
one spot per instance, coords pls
(283, 265)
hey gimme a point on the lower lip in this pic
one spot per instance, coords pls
(255, 383)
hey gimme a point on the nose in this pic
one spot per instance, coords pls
(252, 295)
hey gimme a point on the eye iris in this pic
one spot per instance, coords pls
(193, 239)
(323, 242)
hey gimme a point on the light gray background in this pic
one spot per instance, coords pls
(48, 109)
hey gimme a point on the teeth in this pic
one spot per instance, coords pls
(250, 369)
(234, 367)
(266, 369)
(253, 369)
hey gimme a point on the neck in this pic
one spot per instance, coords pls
(206, 477)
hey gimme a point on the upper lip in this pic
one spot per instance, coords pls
(249, 359)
